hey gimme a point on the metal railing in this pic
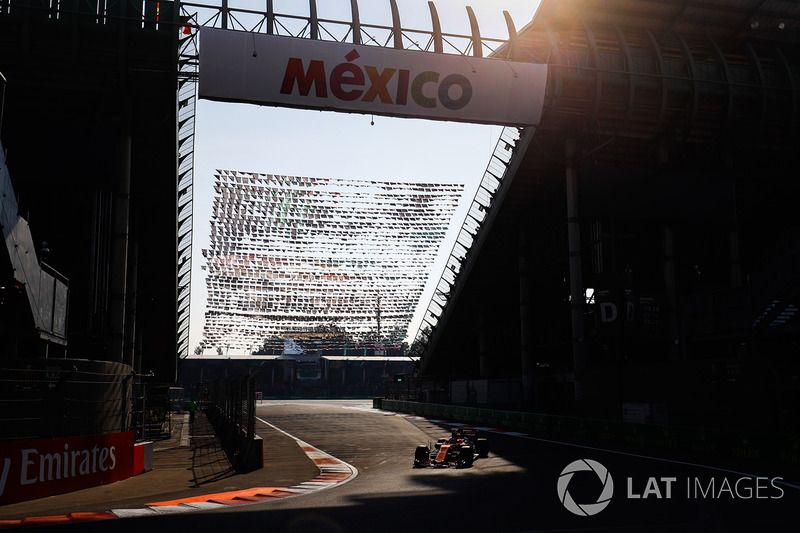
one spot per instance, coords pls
(232, 407)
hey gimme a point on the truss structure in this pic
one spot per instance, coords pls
(342, 262)
(221, 14)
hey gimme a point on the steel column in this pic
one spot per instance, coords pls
(726, 76)
(687, 54)
(477, 46)
(512, 36)
(483, 345)
(598, 75)
(575, 268)
(662, 108)
(752, 56)
(525, 339)
(397, 28)
(795, 94)
(356, 22)
(438, 45)
(626, 54)
(313, 19)
(670, 279)
(119, 246)
(671, 292)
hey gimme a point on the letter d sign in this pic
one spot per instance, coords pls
(608, 312)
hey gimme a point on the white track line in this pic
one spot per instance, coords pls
(333, 472)
(329, 466)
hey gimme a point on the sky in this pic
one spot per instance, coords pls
(271, 140)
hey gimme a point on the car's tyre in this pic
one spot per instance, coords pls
(421, 454)
(482, 447)
(465, 456)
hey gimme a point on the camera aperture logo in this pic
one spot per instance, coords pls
(585, 509)
(663, 488)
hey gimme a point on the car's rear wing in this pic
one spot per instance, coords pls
(468, 433)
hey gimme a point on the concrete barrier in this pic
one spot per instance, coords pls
(142, 457)
(252, 455)
(783, 449)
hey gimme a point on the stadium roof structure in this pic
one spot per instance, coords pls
(644, 234)
(631, 85)
(299, 262)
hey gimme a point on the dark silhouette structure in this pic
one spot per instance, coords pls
(641, 251)
(90, 133)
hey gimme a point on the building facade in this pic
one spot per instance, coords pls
(296, 262)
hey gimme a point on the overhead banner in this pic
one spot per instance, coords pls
(310, 74)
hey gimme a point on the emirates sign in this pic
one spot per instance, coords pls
(38, 468)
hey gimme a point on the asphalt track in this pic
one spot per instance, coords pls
(514, 489)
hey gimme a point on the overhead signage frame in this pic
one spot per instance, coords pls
(312, 74)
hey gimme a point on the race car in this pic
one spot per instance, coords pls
(460, 450)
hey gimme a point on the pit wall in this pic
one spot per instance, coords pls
(761, 448)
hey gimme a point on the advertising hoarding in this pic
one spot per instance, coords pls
(312, 74)
(37, 468)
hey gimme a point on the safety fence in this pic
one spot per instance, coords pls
(230, 404)
(53, 398)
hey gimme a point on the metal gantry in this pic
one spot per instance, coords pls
(311, 26)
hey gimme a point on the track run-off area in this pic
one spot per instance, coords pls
(527, 483)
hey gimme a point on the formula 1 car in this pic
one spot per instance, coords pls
(460, 450)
